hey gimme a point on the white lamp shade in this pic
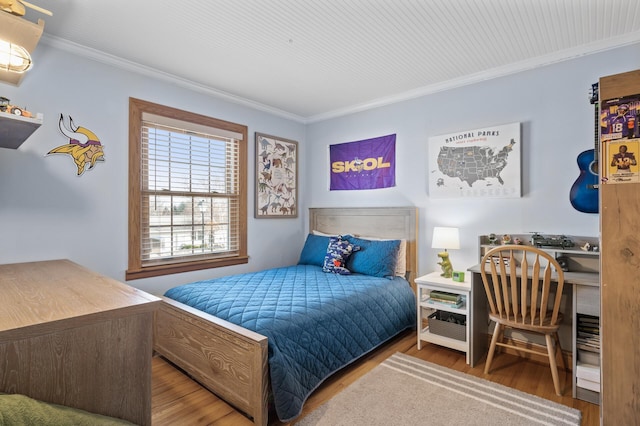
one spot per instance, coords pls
(445, 238)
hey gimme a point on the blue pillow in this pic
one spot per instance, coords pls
(377, 258)
(314, 250)
(337, 254)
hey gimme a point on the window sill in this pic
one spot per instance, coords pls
(177, 268)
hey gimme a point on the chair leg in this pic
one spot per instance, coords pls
(564, 362)
(497, 331)
(551, 350)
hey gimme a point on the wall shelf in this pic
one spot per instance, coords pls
(583, 265)
(14, 129)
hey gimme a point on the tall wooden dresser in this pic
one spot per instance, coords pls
(620, 279)
(73, 337)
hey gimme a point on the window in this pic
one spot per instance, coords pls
(187, 191)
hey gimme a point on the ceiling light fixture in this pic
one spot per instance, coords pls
(18, 39)
(13, 57)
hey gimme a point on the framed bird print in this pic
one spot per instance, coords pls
(276, 177)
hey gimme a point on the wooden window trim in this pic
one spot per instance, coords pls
(136, 269)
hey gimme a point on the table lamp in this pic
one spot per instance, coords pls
(445, 238)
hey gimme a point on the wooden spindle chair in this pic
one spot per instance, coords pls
(524, 293)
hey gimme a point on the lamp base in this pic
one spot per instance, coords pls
(445, 264)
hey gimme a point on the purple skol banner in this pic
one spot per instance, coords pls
(366, 164)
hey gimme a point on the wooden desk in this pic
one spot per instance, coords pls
(585, 290)
(590, 279)
(72, 337)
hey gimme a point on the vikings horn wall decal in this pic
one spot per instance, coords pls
(84, 146)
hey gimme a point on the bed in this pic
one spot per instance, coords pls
(232, 360)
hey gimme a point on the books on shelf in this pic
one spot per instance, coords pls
(446, 299)
(589, 319)
(586, 337)
(588, 328)
(588, 348)
(588, 356)
(443, 295)
(589, 345)
(446, 303)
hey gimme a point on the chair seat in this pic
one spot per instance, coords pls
(544, 328)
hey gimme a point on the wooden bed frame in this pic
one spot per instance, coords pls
(230, 360)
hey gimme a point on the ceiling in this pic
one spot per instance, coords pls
(315, 59)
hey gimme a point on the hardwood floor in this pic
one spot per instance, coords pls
(179, 400)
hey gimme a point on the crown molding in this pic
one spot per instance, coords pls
(493, 73)
(108, 59)
(541, 61)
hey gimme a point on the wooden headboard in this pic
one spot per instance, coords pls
(382, 222)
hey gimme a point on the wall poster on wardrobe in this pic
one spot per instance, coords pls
(620, 135)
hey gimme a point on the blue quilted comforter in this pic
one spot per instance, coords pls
(315, 322)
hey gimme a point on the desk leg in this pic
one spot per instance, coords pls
(479, 316)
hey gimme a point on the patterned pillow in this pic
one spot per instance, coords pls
(338, 252)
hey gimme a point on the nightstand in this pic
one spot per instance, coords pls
(449, 334)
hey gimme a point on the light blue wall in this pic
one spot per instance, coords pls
(47, 212)
(552, 103)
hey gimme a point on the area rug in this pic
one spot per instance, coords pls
(404, 390)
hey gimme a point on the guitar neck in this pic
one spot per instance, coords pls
(596, 121)
(596, 131)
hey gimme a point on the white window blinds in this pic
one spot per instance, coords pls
(190, 191)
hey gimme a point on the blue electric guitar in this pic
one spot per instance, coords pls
(584, 192)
